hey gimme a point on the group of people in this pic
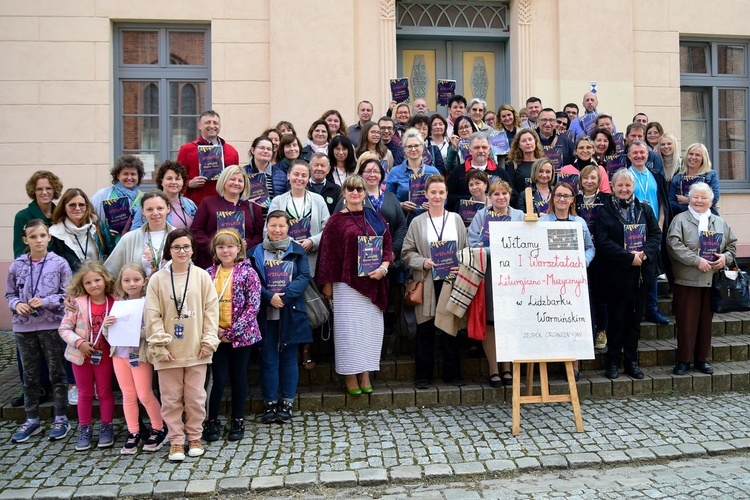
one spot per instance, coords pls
(226, 259)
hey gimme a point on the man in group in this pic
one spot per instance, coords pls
(641, 118)
(584, 125)
(419, 107)
(198, 186)
(533, 108)
(456, 108)
(481, 152)
(320, 167)
(364, 112)
(390, 139)
(551, 139)
(571, 109)
(637, 132)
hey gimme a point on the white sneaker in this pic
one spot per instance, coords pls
(73, 395)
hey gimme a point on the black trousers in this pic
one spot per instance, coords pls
(424, 357)
(625, 327)
(229, 363)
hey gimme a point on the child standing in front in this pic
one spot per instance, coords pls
(133, 371)
(35, 290)
(88, 350)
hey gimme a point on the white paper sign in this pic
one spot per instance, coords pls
(540, 291)
(126, 331)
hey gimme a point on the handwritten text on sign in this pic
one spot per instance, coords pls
(540, 291)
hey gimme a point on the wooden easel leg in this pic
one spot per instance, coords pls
(517, 399)
(529, 379)
(544, 381)
(574, 396)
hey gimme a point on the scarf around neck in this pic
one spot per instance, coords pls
(76, 238)
(131, 194)
(626, 208)
(701, 218)
(279, 247)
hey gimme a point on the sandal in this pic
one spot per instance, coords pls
(307, 360)
(496, 380)
(507, 378)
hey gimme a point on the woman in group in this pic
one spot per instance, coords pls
(370, 141)
(508, 121)
(290, 149)
(238, 289)
(228, 208)
(170, 179)
(584, 156)
(670, 155)
(77, 233)
(562, 122)
(286, 128)
(359, 301)
(524, 151)
(301, 205)
(631, 270)
(146, 245)
(431, 152)
(261, 162)
(127, 175)
(435, 224)
(182, 316)
(400, 177)
(697, 165)
(342, 159)
(475, 110)
(563, 208)
(438, 126)
(693, 266)
(478, 236)
(335, 122)
(319, 138)
(478, 184)
(542, 180)
(604, 146)
(490, 118)
(42, 187)
(462, 129)
(654, 131)
(275, 138)
(282, 316)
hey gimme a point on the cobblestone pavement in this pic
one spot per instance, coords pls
(390, 446)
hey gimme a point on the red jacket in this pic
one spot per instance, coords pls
(188, 158)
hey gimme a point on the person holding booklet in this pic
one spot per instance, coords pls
(170, 179)
(229, 208)
(146, 245)
(118, 205)
(670, 156)
(371, 140)
(557, 147)
(458, 151)
(584, 156)
(355, 253)
(627, 238)
(407, 180)
(430, 250)
(478, 183)
(542, 181)
(261, 172)
(605, 152)
(696, 167)
(699, 244)
(524, 151)
(284, 274)
(431, 152)
(479, 236)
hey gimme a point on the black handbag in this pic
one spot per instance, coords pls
(730, 294)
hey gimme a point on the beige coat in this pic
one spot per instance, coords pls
(416, 251)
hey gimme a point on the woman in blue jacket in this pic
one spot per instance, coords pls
(696, 167)
(284, 274)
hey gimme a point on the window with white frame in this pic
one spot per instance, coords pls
(162, 84)
(714, 85)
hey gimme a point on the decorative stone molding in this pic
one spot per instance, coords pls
(388, 9)
(524, 12)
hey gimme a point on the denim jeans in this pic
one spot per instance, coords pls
(278, 371)
(229, 363)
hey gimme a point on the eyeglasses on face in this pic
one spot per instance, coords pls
(358, 189)
(413, 146)
(182, 249)
(560, 196)
(76, 205)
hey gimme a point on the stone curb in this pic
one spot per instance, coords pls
(380, 476)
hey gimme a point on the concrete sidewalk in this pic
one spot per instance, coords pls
(348, 448)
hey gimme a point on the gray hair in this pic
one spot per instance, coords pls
(477, 100)
(484, 136)
(640, 143)
(623, 172)
(701, 186)
(412, 133)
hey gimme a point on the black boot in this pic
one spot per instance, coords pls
(632, 369)
(612, 370)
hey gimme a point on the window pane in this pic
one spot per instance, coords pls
(694, 58)
(732, 103)
(183, 130)
(186, 101)
(140, 98)
(140, 47)
(694, 132)
(187, 48)
(731, 59)
(732, 134)
(732, 166)
(140, 133)
(693, 104)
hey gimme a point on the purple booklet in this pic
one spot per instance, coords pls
(299, 229)
(569, 179)
(400, 89)
(417, 183)
(467, 209)
(619, 139)
(369, 254)
(635, 237)
(443, 254)
(615, 163)
(259, 189)
(210, 161)
(555, 157)
(500, 144)
(427, 156)
(541, 206)
(491, 217)
(709, 243)
(588, 122)
(589, 211)
(117, 213)
(463, 150)
(278, 275)
(445, 90)
(231, 220)
(689, 180)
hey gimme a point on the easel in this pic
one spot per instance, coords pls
(545, 397)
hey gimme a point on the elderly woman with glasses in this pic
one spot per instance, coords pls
(411, 171)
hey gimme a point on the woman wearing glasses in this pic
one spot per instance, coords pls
(462, 129)
(370, 141)
(412, 170)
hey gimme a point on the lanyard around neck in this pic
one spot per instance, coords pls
(91, 320)
(226, 281)
(181, 304)
(442, 229)
(31, 272)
